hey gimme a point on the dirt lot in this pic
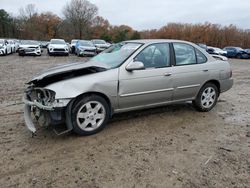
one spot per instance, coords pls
(173, 146)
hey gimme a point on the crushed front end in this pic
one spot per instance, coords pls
(42, 108)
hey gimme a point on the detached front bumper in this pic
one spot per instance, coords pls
(28, 119)
(50, 114)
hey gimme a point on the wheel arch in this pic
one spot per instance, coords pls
(215, 82)
(105, 97)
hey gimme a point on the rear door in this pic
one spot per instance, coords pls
(189, 72)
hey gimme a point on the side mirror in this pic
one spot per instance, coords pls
(135, 65)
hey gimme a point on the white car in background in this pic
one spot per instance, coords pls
(58, 47)
(5, 47)
(216, 51)
(29, 47)
(100, 45)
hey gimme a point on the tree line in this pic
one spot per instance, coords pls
(81, 21)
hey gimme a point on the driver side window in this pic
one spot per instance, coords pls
(155, 56)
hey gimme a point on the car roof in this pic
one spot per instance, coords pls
(150, 41)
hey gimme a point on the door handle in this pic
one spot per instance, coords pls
(205, 70)
(168, 74)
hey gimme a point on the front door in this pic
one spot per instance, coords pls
(152, 85)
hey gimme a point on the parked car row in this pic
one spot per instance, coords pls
(77, 47)
(92, 48)
(229, 51)
(54, 47)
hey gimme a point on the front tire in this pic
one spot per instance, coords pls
(90, 115)
(206, 98)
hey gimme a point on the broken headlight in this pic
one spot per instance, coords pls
(41, 95)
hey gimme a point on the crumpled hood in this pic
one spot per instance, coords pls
(66, 70)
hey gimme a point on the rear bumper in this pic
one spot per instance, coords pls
(225, 85)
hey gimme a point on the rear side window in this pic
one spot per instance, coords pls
(201, 58)
(184, 54)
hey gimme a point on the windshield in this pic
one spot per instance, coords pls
(86, 43)
(115, 55)
(99, 42)
(29, 42)
(57, 42)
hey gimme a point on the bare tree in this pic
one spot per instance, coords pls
(28, 11)
(80, 13)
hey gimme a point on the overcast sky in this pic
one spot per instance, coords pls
(150, 14)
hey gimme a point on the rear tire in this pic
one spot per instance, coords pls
(206, 98)
(89, 115)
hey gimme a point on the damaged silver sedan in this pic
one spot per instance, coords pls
(127, 76)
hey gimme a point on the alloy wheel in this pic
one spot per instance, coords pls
(208, 97)
(91, 116)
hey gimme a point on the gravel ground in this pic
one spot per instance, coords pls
(172, 146)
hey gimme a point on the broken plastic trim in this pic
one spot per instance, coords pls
(57, 104)
(28, 120)
(27, 112)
